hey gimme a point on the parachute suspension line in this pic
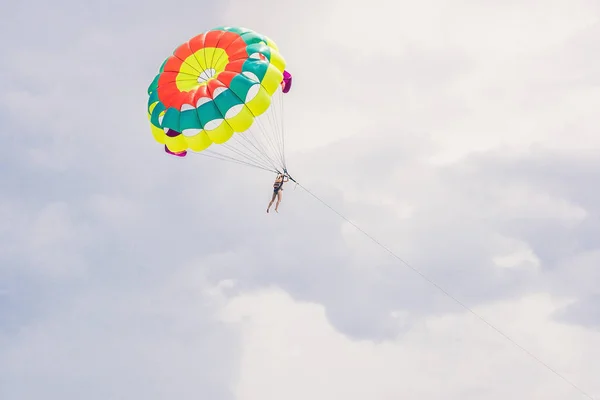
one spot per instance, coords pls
(223, 157)
(275, 149)
(282, 120)
(430, 281)
(231, 160)
(281, 112)
(245, 142)
(273, 132)
(261, 145)
(265, 140)
(250, 159)
(278, 132)
(257, 139)
(246, 158)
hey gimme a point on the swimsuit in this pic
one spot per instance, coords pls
(277, 186)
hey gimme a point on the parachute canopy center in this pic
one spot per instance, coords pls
(206, 75)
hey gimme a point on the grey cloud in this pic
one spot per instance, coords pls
(140, 224)
(83, 311)
(584, 312)
(151, 341)
(451, 239)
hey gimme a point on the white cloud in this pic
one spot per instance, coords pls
(49, 241)
(516, 254)
(462, 135)
(289, 350)
(155, 340)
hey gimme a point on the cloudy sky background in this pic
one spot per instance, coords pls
(463, 135)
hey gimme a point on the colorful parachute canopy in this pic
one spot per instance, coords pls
(212, 91)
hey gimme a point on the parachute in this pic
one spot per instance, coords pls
(220, 94)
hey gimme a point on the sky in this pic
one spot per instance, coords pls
(462, 136)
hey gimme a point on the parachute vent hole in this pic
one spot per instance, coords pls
(206, 75)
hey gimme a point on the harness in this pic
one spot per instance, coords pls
(277, 185)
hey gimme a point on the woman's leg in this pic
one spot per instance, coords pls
(271, 202)
(279, 195)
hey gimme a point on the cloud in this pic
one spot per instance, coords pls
(290, 344)
(461, 137)
(154, 341)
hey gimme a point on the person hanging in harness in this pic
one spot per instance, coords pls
(277, 189)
